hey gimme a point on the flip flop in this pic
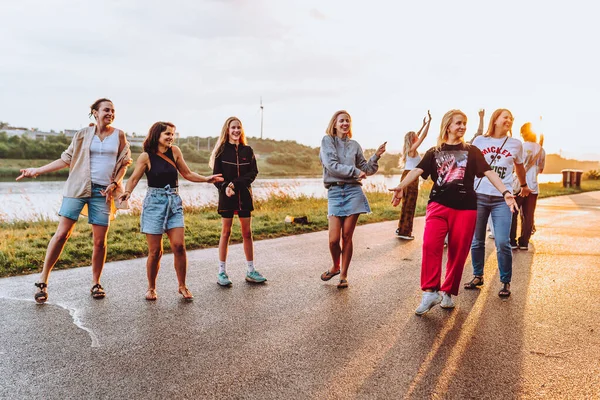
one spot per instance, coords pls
(151, 295)
(327, 275)
(343, 284)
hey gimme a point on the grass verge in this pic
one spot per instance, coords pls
(23, 243)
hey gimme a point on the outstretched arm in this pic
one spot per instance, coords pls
(408, 179)
(188, 174)
(34, 172)
(497, 182)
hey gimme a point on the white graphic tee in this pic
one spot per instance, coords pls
(506, 158)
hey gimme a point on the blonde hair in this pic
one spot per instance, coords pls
(446, 121)
(527, 133)
(331, 131)
(408, 142)
(492, 125)
(224, 138)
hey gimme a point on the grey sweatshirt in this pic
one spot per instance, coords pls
(343, 160)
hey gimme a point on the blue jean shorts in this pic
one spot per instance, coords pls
(344, 200)
(98, 209)
(162, 211)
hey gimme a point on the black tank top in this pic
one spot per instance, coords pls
(162, 173)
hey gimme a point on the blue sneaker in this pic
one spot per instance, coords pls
(255, 277)
(223, 279)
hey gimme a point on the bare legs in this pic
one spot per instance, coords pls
(59, 240)
(155, 251)
(246, 224)
(341, 228)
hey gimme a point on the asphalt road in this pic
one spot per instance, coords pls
(297, 337)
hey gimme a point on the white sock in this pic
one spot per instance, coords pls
(250, 266)
(222, 266)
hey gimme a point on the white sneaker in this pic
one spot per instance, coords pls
(428, 300)
(447, 301)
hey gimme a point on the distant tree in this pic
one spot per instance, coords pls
(4, 125)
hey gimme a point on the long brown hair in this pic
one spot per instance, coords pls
(151, 141)
(223, 138)
(492, 125)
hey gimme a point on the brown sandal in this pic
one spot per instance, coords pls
(343, 284)
(98, 291)
(185, 292)
(42, 295)
(151, 295)
(474, 283)
(327, 275)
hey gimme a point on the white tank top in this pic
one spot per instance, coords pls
(103, 158)
(412, 162)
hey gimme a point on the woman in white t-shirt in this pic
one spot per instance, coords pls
(409, 160)
(504, 154)
(534, 162)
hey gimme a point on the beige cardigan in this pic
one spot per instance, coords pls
(77, 156)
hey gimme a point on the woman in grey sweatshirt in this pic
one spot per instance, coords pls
(344, 166)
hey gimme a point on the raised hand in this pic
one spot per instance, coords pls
(542, 139)
(28, 173)
(381, 149)
(428, 116)
(481, 113)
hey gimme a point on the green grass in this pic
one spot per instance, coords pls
(23, 244)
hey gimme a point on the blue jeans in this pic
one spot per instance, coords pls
(501, 220)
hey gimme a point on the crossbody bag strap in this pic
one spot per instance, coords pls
(167, 159)
(493, 159)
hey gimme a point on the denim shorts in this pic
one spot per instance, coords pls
(162, 211)
(98, 209)
(346, 200)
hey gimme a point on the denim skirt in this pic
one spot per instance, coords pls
(162, 210)
(344, 200)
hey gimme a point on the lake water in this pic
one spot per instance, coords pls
(34, 199)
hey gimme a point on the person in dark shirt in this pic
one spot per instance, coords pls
(162, 211)
(233, 158)
(452, 208)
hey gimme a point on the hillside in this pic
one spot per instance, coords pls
(275, 158)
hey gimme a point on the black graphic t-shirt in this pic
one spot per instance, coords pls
(453, 169)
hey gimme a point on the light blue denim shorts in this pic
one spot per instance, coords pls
(162, 211)
(98, 209)
(344, 200)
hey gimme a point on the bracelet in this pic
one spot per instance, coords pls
(115, 183)
(524, 185)
(504, 193)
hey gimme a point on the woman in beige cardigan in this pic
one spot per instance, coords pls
(97, 159)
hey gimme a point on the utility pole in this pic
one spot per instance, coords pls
(261, 118)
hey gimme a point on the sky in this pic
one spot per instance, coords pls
(197, 62)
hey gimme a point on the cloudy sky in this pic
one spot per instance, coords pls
(197, 62)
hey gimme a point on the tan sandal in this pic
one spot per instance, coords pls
(151, 295)
(185, 292)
